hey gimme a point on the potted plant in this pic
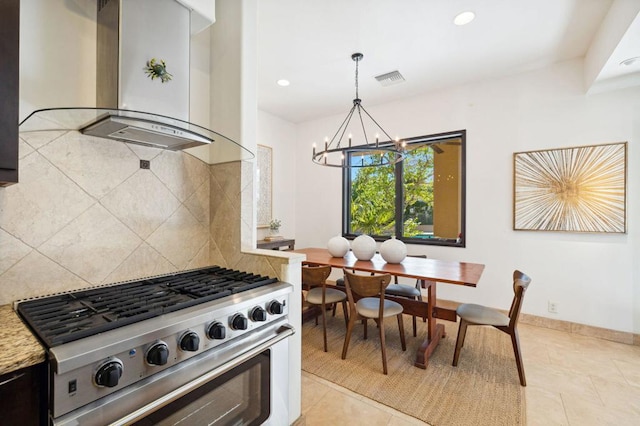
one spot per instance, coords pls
(274, 226)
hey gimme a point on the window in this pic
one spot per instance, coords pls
(420, 200)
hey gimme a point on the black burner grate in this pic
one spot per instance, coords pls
(67, 317)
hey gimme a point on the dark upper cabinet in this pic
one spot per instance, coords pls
(9, 93)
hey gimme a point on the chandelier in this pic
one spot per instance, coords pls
(372, 154)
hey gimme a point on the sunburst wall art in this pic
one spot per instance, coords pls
(580, 189)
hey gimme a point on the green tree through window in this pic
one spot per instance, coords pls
(398, 199)
(373, 199)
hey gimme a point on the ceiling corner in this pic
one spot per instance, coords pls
(617, 39)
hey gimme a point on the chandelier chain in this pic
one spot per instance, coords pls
(357, 61)
(387, 153)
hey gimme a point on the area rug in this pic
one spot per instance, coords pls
(483, 389)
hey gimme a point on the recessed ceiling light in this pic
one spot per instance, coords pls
(282, 82)
(630, 61)
(464, 18)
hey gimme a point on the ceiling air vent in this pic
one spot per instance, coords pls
(390, 78)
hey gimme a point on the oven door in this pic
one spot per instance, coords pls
(246, 386)
(241, 396)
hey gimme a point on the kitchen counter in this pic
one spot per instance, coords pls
(19, 348)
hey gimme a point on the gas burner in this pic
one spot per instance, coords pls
(64, 318)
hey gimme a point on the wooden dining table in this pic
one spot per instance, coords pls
(428, 271)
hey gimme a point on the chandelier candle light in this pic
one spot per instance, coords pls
(335, 155)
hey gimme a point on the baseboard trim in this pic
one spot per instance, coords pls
(582, 329)
(569, 327)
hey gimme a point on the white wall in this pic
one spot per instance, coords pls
(281, 137)
(590, 276)
(57, 55)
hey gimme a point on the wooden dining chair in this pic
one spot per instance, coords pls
(471, 314)
(314, 279)
(366, 301)
(408, 291)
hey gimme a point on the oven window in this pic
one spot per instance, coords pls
(240, 396)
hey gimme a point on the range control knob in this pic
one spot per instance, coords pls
(239, 322)
(275, 307)
(216, 331)
(109, 373)
(258, 314)
(157, 354)
(190, 341)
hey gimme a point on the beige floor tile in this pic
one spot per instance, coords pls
(630, 371)
(312, 391)
(585, 412)
(550, 337)
(585, 363)
(560, 380)
(613, 350)
(619, 397)
(338, 409)
(534, 351)
(544, 408)
(319, 388)
(331, 385)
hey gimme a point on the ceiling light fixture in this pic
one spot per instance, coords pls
(282, 82)
(630, 61)
(372, 154)
(464, 18)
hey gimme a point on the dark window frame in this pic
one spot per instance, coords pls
(399, 187)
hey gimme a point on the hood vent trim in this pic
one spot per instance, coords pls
(140, 128)
(144, 132)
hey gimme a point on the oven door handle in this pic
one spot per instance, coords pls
(283, 332)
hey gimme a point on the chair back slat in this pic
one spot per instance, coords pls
(315, 276)
(367, 285)
(520, 284)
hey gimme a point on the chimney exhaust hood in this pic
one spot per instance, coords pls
(131, 106)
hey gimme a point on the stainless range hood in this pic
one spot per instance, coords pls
(145, 132)
(131, 107)
(141, 128)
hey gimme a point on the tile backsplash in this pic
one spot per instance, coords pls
(84, 213)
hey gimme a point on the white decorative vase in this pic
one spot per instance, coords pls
(338, 246)
(393, 251)
(363, 247)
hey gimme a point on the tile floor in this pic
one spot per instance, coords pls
(571, 380)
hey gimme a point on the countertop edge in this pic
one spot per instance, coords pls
(19, 348)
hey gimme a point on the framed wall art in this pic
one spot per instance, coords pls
(264, 175)
(579, 189)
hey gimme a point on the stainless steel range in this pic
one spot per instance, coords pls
(206, 346)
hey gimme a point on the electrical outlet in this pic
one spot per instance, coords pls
(552, 307)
